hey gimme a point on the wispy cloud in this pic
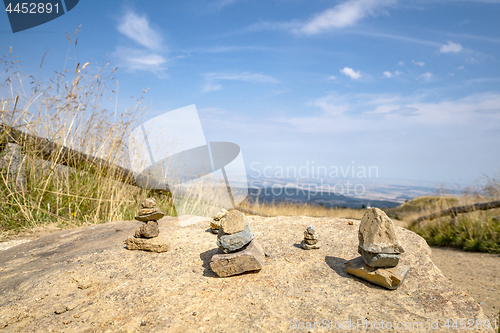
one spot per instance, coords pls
(150, 56)
(138, 29)
(426, 76)
(451, 48)
(418, 63)
(351, 73)
(389, 74)
(212, 79)
(343, 15)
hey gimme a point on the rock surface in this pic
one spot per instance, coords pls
(148, 203)
(252, 258)
(377, 233)
(390, 278)
(234, 242)
(164, 290)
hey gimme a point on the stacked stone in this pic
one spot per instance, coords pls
(217, 220)
(147, 237)
(380, 251)
(150, 215)
(240, 251)
(310, 241)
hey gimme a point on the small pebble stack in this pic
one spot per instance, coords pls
(217, 220)
(149, 214)
(310, 241)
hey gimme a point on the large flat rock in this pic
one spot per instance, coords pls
(97, 285)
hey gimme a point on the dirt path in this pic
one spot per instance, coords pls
(478, 274)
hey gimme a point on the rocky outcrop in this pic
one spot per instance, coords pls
(103, 287)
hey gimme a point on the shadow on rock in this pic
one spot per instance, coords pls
(206, 257)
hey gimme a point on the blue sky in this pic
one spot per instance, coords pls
(411, 87)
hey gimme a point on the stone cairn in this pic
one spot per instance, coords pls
(240, 251)
(380, 251)
(310, 241)
(217, 220)
(146, 236)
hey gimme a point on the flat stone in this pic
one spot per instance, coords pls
(252, 258)
(148, 203)
(310, 229)
(233, 222)
(147, 211)
(148, 230)
(390, 278)
(214, 231)
(377, 233)
(157, 244)
(230, 243)
(379, 259)
(306, 246)
(311, 241)
(150, 217)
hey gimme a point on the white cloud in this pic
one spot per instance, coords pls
(137, 28)
(451, 48)
(211, 79)
(148, 58)
(331, 77)
(343, 15)
(139, 59)
(401, 63)
(461, 67)
(351, 73)
(418, 63)
(389, 74)
(426, 76)
(357, 112)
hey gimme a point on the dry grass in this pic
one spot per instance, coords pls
(65, 109)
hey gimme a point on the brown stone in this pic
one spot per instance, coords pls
(157, 244)
(149, 203)
(390, 278)
(306, 246)
(250, 259)
(147, 211)
(147, 230)
(150, 217)
(233, 222)
(220, 215)
(377, 233)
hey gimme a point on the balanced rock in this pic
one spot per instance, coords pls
(233, 242)
(390, 278)
(234, 221)
(310, 241)
(147, 230)
(150, 217)
(148, 203)
(216, 221)
(157, 244)
(377, 235)
(249, 259)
